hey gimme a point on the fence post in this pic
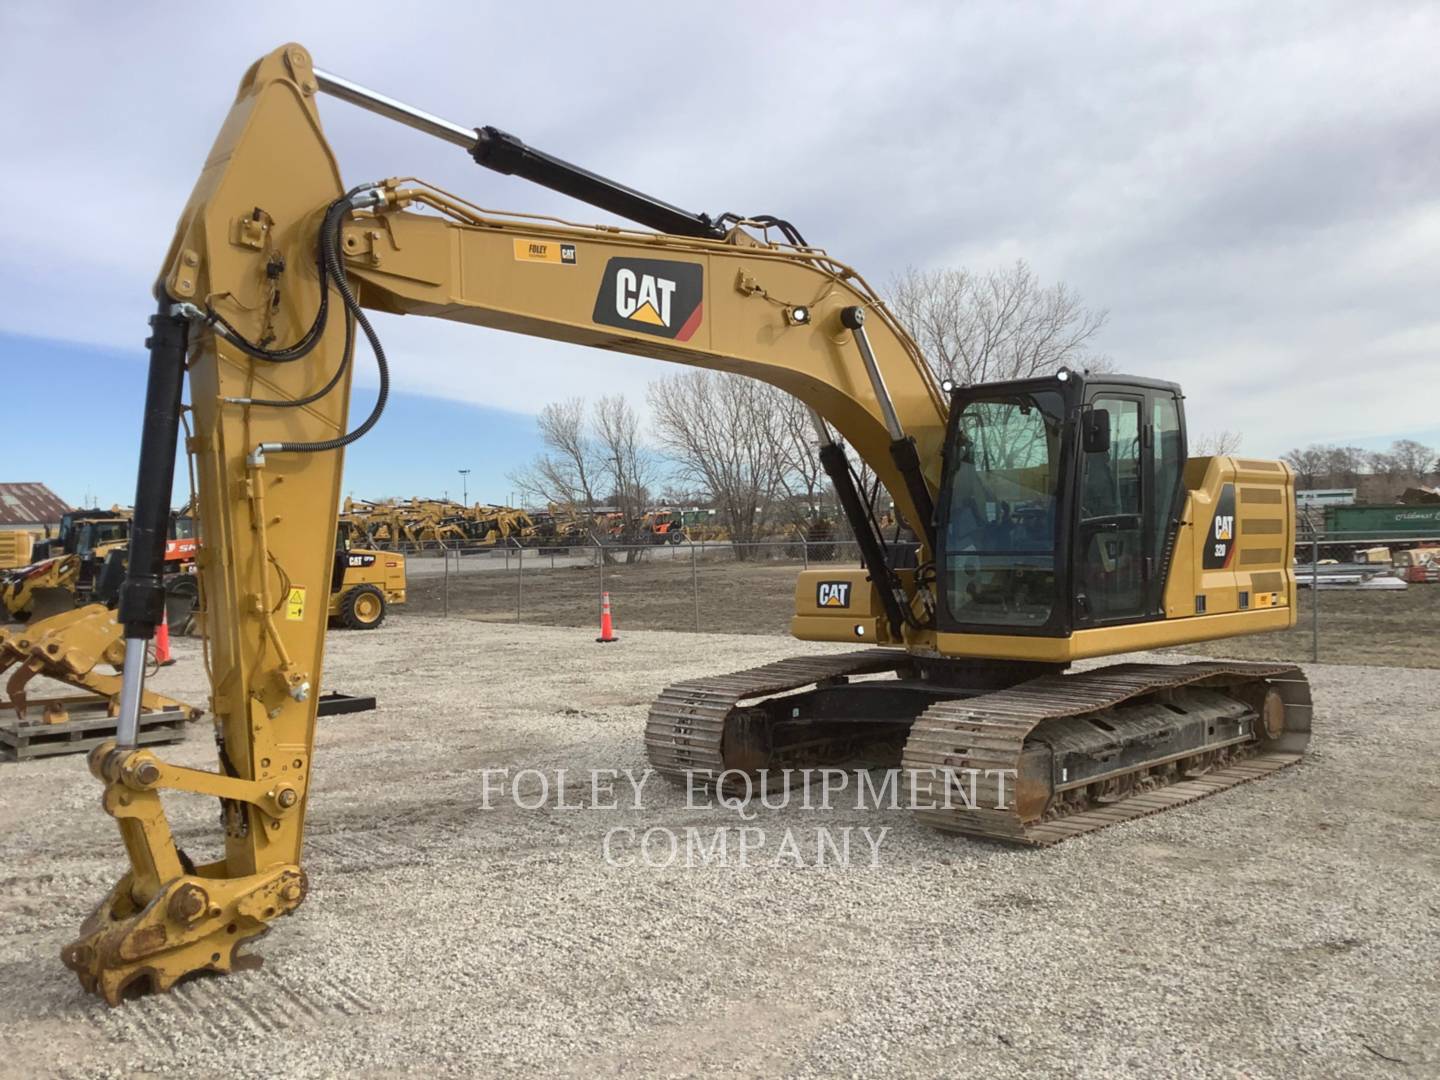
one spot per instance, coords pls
(695, 585)
(519, 578)
(446, 556)
(1315, 597)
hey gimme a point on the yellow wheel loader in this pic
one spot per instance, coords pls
(363, 586)
(1056, 519)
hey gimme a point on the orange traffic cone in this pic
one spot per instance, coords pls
(607, 625)
(162, 641)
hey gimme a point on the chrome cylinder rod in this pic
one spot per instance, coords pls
(132, 689)
(853, 319)
(359, 95)
(822, 429)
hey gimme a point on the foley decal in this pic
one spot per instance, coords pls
(832, 594)
(545, 251)
(1220, 544)
(652, 296)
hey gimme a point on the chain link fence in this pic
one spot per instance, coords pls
(703, 586)
(724, 587)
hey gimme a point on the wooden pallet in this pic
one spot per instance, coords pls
(89, 726)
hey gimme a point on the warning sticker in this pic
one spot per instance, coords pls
(545, 251)
(295, 604)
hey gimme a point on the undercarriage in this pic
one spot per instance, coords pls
(1020, 753)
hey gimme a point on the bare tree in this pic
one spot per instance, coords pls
(1323, 465)
(999, 325)
(1413, 460)
(1382, 464)
(720, 431)
(1217, 443)
(1345, 465)
(592, 458)
(629, 468)
(1311, 465)
(801, 482)
(567, 472)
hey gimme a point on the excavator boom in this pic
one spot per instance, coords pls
(261, 302)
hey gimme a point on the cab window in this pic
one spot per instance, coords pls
(999, 538)
(1169, 465)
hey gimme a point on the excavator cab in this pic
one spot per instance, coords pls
(1060, 502)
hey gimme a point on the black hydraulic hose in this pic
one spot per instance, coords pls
(311, 337)
(295, 403)
(352, 306)
(789, 231)
(298, 351)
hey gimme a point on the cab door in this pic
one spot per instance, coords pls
(1128, 504)
(1112, 549)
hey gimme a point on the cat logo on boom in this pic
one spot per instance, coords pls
(652, 296)
(832, 594)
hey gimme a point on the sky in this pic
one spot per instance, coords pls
(1252, 192)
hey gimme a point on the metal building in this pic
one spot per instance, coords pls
(30, 507)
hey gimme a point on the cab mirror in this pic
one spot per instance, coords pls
(1095, 431)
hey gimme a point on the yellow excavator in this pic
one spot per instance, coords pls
(1055, 519)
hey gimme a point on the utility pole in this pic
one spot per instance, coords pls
(464, 486)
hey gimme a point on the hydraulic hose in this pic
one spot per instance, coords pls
(332, 272)
(312, 336)
(382, 367)
(308, 399)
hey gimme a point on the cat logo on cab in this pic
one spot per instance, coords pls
(652, 296)
(832, 594)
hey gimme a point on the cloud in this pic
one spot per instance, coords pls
(1251, 192)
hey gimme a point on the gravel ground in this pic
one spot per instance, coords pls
(1284, 928)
